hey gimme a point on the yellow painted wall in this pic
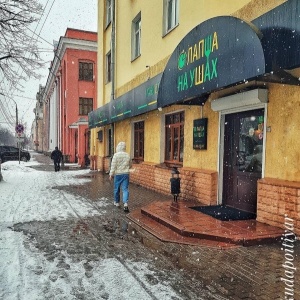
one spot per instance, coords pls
(282, 159)
(154, 46)
(123, 134)
(202, 159)
(100, 73)
(155, 50)
(255, 8)
(154, 136)
(283, 142)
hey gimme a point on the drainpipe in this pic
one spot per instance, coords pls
(113, 44)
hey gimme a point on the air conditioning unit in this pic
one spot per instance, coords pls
(100, 136)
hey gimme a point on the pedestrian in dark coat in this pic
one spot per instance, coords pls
(57, 157)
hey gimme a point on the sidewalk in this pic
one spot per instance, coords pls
(238, 272)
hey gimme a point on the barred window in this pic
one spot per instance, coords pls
(85, 106)
(86, 71)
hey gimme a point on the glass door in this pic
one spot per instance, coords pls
(242, 164)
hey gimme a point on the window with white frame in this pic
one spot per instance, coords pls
(108, 67)
(170, 15)
(108, 12)
(136, 37)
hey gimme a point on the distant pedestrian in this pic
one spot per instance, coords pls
(119, 170)
(57, 157)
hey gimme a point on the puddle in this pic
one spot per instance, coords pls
(86, 176)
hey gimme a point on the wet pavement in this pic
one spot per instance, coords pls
(196, 271)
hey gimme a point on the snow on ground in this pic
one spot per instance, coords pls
(27, 195)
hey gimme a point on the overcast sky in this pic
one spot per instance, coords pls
(58, 15)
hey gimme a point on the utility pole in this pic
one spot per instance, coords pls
(16, 130)
(17, 122)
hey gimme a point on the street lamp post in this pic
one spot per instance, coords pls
(16, 128)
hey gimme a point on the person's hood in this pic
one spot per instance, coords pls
(121, 147)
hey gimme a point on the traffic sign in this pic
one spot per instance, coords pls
(19, 128)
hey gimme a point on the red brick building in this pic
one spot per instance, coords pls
(70, 94)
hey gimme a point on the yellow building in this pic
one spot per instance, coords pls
(208, 87)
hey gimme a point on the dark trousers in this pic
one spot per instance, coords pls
(56, 165)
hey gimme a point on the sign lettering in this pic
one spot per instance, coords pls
(206, 68)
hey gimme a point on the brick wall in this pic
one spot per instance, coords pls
(100, 163)
(277, 199)
(106, 164)
(196, 184)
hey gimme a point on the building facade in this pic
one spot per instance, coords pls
(37, 126)
(70, 94)
(209, 88)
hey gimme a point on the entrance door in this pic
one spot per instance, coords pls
(242, 163)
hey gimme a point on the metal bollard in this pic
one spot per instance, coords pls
(175, 183)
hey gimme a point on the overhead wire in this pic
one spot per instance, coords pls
(3, 109)
(38, 35)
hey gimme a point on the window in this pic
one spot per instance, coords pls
(170, 15)
(136, 37)
(139, 140)
(85, 105)
(174, 137)
(86, 71)
(108, 12)
(108, 67)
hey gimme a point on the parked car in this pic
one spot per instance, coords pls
(12, 153)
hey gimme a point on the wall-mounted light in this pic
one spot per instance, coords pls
(148, 67)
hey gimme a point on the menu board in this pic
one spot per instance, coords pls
(200, 134)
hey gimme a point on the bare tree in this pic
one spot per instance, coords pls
(19, 56)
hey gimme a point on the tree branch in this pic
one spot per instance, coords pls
(4, 57)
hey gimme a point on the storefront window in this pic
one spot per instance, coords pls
(174, 138)
(139, 140)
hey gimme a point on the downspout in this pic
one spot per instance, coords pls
(113, 44)
(60, 113)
